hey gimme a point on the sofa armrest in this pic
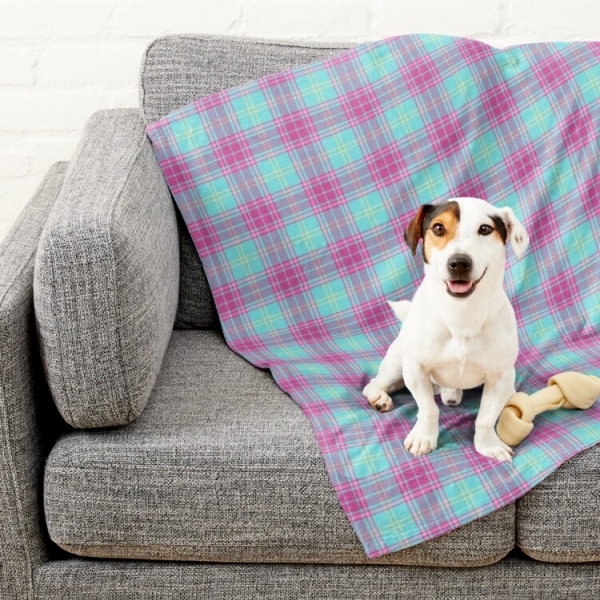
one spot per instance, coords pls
(23, 398)
(106, 278)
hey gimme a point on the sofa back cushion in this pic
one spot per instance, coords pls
(179, 69)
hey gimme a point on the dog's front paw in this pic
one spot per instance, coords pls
(377, 398)
(422, 439)
(489, 444)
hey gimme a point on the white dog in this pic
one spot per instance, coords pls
(459, 331)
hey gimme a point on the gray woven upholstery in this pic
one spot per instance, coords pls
(558, 521)
(179, 69)
(196, 309)
(510, 579)
(107, 275)
(23, 398)
(221, 466)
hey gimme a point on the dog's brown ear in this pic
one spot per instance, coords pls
(414, 232)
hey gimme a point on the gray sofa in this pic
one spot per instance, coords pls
(141, 458)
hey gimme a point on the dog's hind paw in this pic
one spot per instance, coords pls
(377, 398)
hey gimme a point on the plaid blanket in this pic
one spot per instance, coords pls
(296, 189)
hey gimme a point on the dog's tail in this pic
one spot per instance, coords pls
(400, 308)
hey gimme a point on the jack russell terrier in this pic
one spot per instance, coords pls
(459, 331)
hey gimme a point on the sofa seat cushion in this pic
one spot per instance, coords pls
(221, 466)
(557, 521)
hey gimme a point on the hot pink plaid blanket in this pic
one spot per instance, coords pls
(296, 189)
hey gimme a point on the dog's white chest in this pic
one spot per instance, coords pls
(460, 349)
(459, 363)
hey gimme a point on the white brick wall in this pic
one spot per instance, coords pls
(61, 60)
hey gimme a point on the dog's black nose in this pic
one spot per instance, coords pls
(459, 266)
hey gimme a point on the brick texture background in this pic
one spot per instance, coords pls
(61, 60)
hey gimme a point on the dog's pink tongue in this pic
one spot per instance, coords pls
(459, 287)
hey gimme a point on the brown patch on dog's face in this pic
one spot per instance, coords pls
(440, 227)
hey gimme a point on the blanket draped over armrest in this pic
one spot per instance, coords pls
(296, 189)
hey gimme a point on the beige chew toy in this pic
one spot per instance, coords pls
(565, 390)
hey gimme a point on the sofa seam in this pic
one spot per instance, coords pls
(560, 554)
(75, 549)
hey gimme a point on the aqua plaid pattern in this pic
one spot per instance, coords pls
(296, 189)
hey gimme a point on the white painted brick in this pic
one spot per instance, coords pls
(160, 18)
(334, 20)
(53, 18)
(103, 63)
(15, 194)
(552, 20)
(125, 97)
(457, 17)
(28, 153)
(14, 164)
(501, 40)
(61, 60)
(4, 227)
(17, 65)
(48, 110)
(52, 149)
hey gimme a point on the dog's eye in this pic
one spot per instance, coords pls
(438, 229)
(485, 230)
